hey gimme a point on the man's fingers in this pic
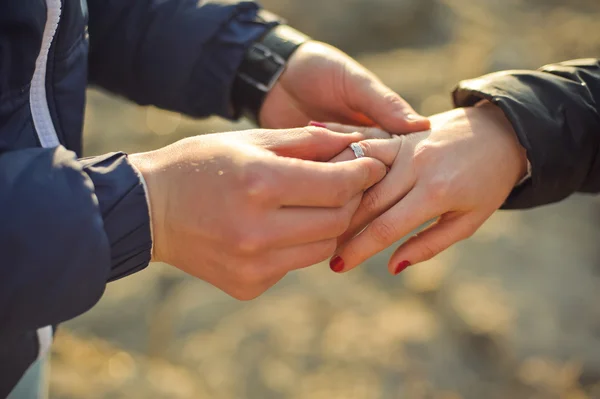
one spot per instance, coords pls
(295, 226)
(297, 257)
(368, 132)
(254, 275)
(309, 143)
(448, 230)
(393, 225)
(328, 185)
(386, 108)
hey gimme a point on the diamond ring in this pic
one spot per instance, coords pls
(357, 149)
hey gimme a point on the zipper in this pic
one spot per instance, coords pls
(38, 101)
(42, 120)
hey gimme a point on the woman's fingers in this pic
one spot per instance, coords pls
(400, 220)
(381, 197)
(448, 230)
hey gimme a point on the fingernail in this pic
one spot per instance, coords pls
(387, 169)
(318, 124)
(336, 264)
(401, 267)
(414, 117)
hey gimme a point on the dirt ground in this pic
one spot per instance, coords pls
(511, 313)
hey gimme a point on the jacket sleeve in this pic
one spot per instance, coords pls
(67, 226)
(555, 112)
(180, 55)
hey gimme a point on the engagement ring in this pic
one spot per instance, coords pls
(357, 149)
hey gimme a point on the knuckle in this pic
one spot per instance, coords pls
(322, 251)
(314, 131)
(365, 145)
(429, 250)
(424, 154)
(249, 275)
(371, 201)
(250, 242)
(372, 133)
(383, 231)
(342, 195)
(393, 99)
(329, 248)
(257, 183)
(438, 190)
(244, 239)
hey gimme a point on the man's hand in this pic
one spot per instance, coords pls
(234, 210)
(323, 84)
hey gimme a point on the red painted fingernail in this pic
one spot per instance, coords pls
(318, 124)
(401, 267)
(337, 264)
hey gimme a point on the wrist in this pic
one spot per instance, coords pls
(518, 154)
(263, 65)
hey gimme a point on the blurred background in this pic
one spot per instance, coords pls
(512, 313)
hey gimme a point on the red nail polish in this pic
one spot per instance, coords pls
(318, 124)
(337, 264)
(401, 267)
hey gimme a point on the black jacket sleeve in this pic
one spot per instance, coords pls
(67, 227)
(180, 55)
(555, 112)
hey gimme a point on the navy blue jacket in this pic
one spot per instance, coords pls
(69, 225)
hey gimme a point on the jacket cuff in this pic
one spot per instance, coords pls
(217, 69)
(538, 113)
(125, 212)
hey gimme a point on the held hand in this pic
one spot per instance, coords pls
(321, 83)
(235, 211)
(459, 173)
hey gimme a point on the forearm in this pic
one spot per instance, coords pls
(180, 55)
(555, 114)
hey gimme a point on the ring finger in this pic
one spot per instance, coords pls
(393, 225)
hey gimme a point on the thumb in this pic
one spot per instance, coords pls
(386, 108)
(448, 230)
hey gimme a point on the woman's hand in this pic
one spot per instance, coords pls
(459, 173)
(235, 210)
(323, 84)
